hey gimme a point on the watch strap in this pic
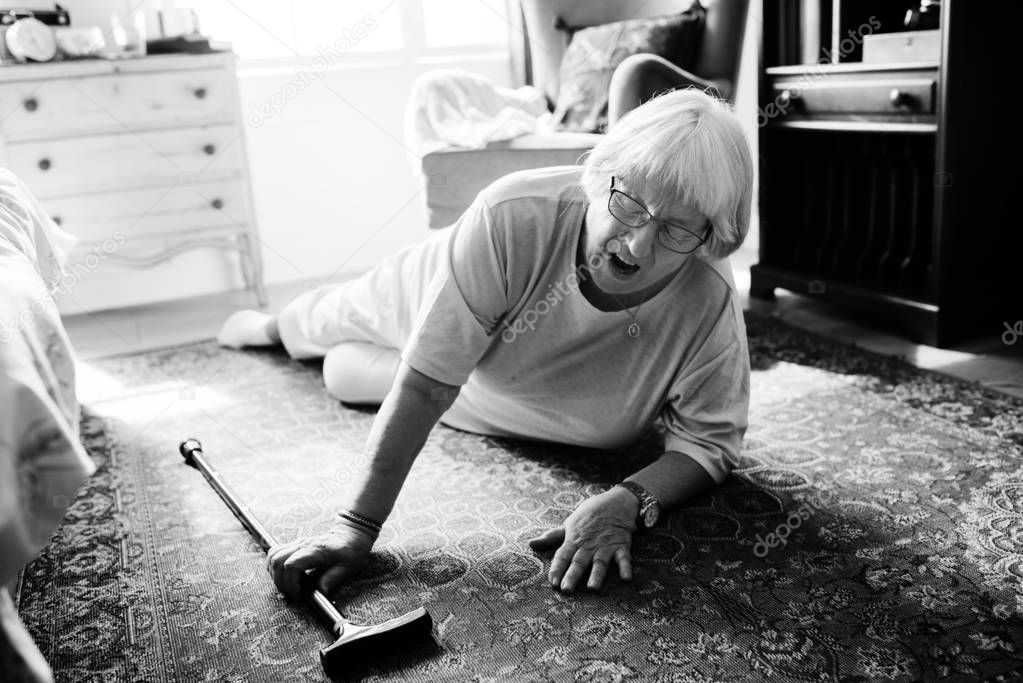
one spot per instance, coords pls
(646, 499)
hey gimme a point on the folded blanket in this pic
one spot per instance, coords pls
(42, 462)
(457, 108)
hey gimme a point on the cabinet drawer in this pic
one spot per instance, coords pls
(116, 102)
(128, 160)
(833, 95)
(151, 211)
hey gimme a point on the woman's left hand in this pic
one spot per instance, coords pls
(597, 532)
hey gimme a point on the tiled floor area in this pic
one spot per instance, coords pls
(988, 361)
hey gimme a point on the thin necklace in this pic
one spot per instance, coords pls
(633, 330)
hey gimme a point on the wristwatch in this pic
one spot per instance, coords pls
(649, 506)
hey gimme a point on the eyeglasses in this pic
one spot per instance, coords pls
(634, 214)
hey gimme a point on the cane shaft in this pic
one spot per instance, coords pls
(259, 532)
(240, 509)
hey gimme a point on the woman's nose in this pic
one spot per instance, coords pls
(641, 240)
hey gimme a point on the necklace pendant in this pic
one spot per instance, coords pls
(633, 330)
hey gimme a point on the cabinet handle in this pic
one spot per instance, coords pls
(209, 149)
(898, 98)
(31, 104)
(786, 97)
(44, 164)
(200, 93)
(58, 220)
(217, 203)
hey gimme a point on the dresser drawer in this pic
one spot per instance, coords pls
(855, 94)
(151, 211)
(116, 102)
(128, 160)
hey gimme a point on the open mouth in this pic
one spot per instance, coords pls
(621, 267)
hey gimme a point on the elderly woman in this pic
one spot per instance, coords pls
(570, 304)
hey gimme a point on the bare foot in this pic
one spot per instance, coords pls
(249, 328)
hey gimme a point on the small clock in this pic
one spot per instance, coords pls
(29, 39)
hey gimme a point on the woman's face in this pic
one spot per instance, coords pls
(634, 259)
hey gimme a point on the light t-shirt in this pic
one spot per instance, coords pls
(503, 317)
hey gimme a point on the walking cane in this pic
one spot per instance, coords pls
(351, 640)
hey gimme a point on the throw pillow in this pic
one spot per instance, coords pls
(594, 52)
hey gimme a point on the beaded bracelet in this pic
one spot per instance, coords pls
(361, 520)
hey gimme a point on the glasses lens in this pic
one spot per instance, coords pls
(679, 239)
(627, 210)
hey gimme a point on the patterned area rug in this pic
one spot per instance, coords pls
(874, 532)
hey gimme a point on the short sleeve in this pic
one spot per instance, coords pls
(707, 409)
(465, 302)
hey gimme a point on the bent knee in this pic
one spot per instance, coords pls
(359, 372)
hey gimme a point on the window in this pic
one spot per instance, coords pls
(449, 23)
(296, 30)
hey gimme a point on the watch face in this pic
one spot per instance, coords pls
(650, 515)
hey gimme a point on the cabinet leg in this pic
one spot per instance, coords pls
(760, 289)
(252, 267)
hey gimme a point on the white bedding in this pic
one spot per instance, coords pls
(42, 462)
(457, 108)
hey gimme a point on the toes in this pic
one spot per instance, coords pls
(245, 328)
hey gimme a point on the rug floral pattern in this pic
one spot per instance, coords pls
(874, 532)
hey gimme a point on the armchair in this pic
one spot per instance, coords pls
(454, 176)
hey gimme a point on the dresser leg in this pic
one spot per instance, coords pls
(252, 267)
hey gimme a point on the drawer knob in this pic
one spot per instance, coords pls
(209, 149)
(217, 203)
(31, 104)
(898, 98)
(44, 164)
(200, 93)
(786, 97)
(58, 220)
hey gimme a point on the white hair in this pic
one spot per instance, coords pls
(683, 147)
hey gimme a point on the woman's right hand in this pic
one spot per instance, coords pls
(335, 557)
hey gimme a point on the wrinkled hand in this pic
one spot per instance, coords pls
(335, 557)
(599, 530)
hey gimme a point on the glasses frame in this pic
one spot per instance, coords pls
(663, 225)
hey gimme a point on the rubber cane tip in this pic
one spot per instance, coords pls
(187, 447)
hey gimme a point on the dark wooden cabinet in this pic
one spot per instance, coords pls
(880, 186)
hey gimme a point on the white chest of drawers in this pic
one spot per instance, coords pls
(142, 158)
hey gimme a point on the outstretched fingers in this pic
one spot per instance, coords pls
(551, 538)
(624, 558)
(598, 572)
(561, 562)
(580, 562)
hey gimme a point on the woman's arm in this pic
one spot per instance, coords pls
(405, 419)
(411, 409)
(674, 479)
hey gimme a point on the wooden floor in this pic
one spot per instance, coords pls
(988, 361)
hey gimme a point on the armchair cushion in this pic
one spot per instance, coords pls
(594, 53)
(454, 176)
